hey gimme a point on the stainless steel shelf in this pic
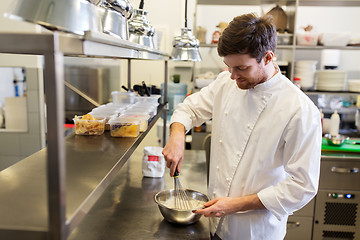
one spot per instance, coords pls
(326, 47)
(46, 195)
(333, 3)
(90, 45)
(92, 162)
(243, 2)
(213, 45)
(282, 2)
(330, 93)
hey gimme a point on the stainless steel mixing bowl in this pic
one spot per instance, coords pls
(179, 216)
(338, 140)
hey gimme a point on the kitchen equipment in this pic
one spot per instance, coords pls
(121, 6)
(140, 29)
(330, 58)
(113, 23)
(181, 198)
(330, 80)
(357, 119)
(305, 71)
(337, 212)
(337, 39)
(176, 94)
(337, 140)
(147, 91)
(96, 2)
(186, 46)
(165, 200)
(76, 16)
(354, 85)
(115, 14)
(349, 146)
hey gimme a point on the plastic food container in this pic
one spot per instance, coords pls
(284, 39)
(123, 97)
(143, 117)
(148, 110)
(103, 111)
(88, 125)
(334, 39)
(149, 99)
(307, 38)
(124, 127)
(115, 107)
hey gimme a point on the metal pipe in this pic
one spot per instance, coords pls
(56, 162)
(82, 94)
(129, 74)
(165, 101)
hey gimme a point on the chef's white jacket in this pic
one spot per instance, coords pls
(265, 141)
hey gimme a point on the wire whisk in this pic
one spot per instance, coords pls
(181, 198)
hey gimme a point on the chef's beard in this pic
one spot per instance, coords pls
(245, 84)
(248, 83)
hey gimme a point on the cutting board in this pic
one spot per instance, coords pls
(348, 146)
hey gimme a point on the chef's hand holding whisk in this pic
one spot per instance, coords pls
(174, 148)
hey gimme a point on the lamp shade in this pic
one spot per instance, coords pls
(140, 30)
(186, 47)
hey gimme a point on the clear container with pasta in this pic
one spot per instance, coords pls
(124, 127)
(88, 125)
(143, 117)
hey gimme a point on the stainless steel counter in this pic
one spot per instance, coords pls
(127, 210)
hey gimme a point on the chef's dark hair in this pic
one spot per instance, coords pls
(248, 34)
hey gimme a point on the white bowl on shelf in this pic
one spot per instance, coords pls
(354, 85)
(334, 39)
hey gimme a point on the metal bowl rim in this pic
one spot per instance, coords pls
(179, 210)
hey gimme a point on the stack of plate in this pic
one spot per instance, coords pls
(331, 80)
(305, 70)
(354, 85)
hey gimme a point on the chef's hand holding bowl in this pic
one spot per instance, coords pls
(221, 206)
(218, 207)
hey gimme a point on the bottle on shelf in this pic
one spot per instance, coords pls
(297, 82)
(216, 35)
(334, 124)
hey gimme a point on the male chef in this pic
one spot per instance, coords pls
(266, 137)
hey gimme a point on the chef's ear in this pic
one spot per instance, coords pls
(268, 57)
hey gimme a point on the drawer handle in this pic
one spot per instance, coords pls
(293, 224)
(344, 170)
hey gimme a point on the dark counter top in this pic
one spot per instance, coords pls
(127, 210)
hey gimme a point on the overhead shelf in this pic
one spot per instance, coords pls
(243, 2)
(330, 3)
(92, 44)
(213, 45)
(327, 47)
(282, 2)
(92, 162)
(298, 47)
